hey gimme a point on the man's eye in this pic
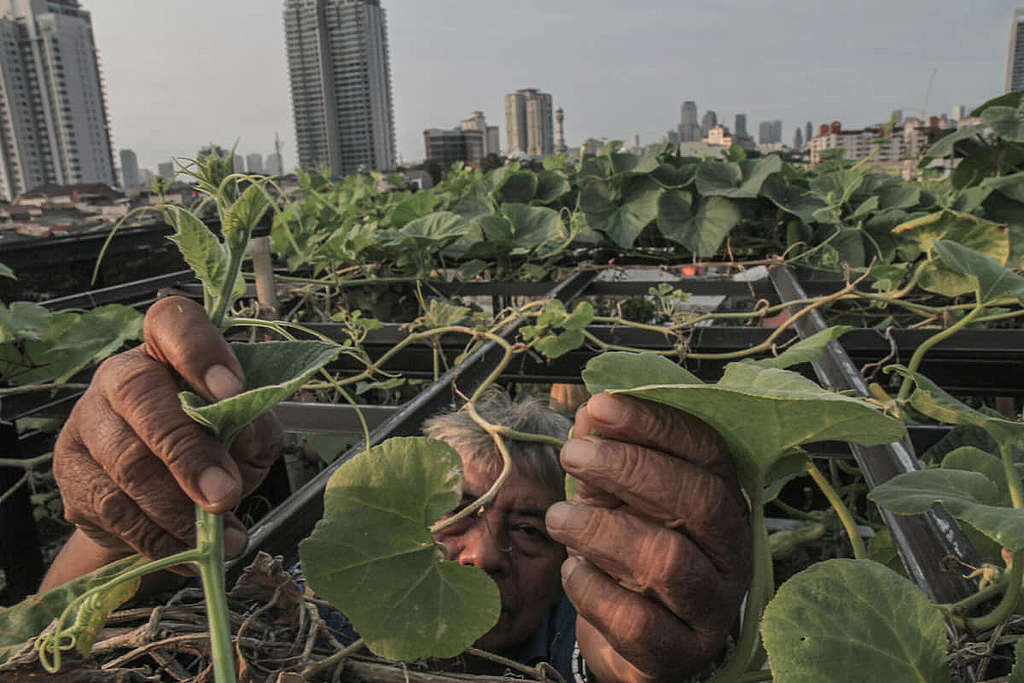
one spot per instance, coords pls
(530, 532)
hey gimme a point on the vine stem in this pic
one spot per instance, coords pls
(761, 589)
(915, 360)
(860, 552)
(1006, 606)
(1012, 478)
(314, 669)
(210, 544)
(52, 643)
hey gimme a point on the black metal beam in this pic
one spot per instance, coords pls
(138, 292)
(923, 541)
(280, 531)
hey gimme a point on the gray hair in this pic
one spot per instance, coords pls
(538, 461)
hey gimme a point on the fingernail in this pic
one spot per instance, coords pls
(575, 454)
(221, 382)
(606, 409)
(557, 515)
(235, 541)
(216, 485)
(569, 566)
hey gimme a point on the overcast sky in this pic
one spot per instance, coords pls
(184, 72)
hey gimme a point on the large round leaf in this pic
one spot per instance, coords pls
(853, 621)
(372, 556)
(970, 496)
(762, 413)
(621, 214)
(985, 237)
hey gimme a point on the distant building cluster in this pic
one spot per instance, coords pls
(53, 116)
(470, 143)
(889, 144)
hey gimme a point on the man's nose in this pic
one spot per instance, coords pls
(485, 548)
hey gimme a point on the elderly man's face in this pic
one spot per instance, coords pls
(508, 540)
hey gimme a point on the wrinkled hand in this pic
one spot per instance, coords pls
(658, 538)
(130, 463)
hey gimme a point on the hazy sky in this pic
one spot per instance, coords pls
(184, 72)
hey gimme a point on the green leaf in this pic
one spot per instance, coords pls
(625, 162)
(986, 237)
(470, 269)
(1017, 673)
(1006, 122)
(416, 206)
(519, 187)
(23, 320)
(703, 232)
(91, 337)
(433, 230)
(554, 346)
(806, 350)
(899, 195)
(535, 228)
(792, 198)
(242, 216)
(970, 496)
(788, 409)
(551, 185)
(372, 556)
(1011, 186)
(581, 316)
(932, 401)
(5, 271)
(994, 281)
(973, 459)
(202, 251)
(944, 147)
(618, 370)
(882, 549)
(273, 371)
(1010, 99)
(27, 619)
(719, 178)
(849, 621)
(623, 220)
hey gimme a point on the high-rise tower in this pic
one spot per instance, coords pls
(707, 122)
(129, 169)
(1015, 54)
(689, 128)
(560, 147)
(340, 76)
(53, 115)
(528, 121)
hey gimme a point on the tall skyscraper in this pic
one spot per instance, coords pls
(340, 77)
(707, 122)
(1015, 54)
(798, 139)
(254, 163)
(689, 128)
(129, 169)
(165, 169)
(53, 115)
(740, 127)
(808, 132)
(529, 123)
(769, 132)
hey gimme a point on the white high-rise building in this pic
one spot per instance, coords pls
(340, 76)
(1015, 53)
(274, 165)
(53, 114)
(529, 123)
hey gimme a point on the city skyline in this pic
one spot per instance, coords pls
(175, 83)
